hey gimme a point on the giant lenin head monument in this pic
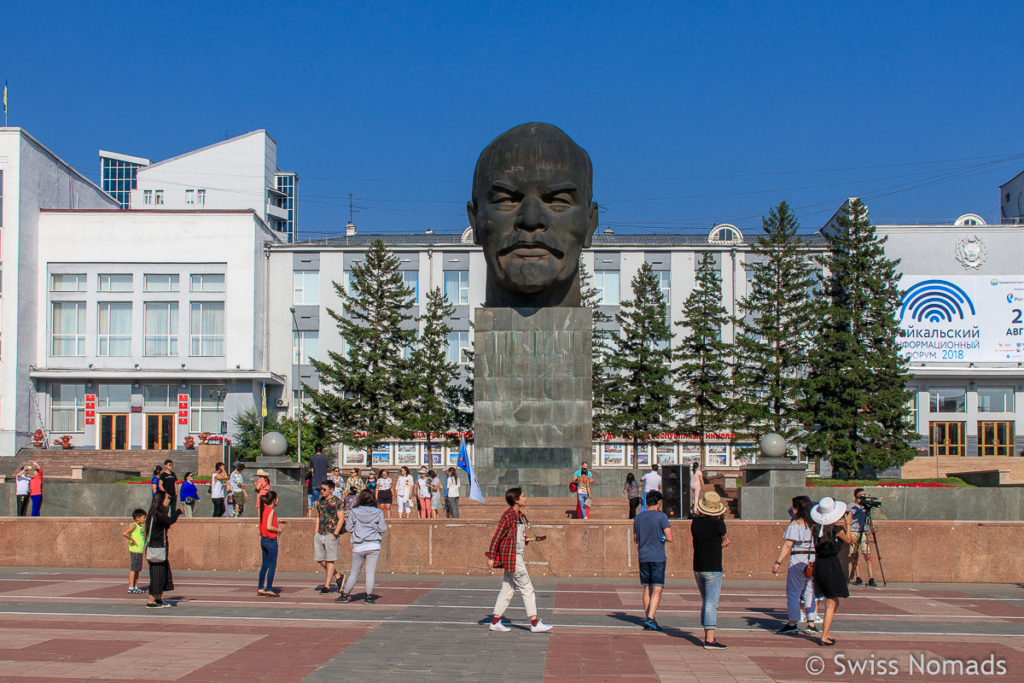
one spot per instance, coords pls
(533, 213)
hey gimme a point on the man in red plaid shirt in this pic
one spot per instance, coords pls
(506, 551)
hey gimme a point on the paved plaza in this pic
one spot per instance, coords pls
(73, 625)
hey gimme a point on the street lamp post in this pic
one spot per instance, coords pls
(219, 393)
(296, 361)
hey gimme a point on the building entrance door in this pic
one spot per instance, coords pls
(947, 438)
(995, 438)
(159, 431)
(114, 431)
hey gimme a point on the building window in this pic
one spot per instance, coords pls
(606, 282)
(995, 400)
(160, 333)
(207, 282)
(67, 282)
(458, 345)
(201, 197)
(114, 336)
(307, 287)
(995, 438)
(160, 395)
(948, 401)
(160, 282)
(190, 197)
(207, 411)
(116, 282)
(207, 328)
(456, 286)
(912, 410)
(113, 395)
(147, 196)
(304, 346)
(411, 279)
(67, 408)
(68, 329)
(158, 197)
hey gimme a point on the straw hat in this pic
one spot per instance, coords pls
(711, 505)
(828, 511)
(262, 473)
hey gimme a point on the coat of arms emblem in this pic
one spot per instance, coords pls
(971, 252)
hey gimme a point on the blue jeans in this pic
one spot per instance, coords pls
(269, 566)
(37, 504)
(582, 498)
(710, 586)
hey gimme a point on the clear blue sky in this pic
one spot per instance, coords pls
(693, 113)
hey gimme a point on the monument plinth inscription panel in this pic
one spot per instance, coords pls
(532, 396)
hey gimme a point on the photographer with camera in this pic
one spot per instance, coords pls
(859, 547)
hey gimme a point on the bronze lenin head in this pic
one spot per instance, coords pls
(532, 211)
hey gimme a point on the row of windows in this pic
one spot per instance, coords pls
(990, 400)
(67, 403)
(124, 282)
(306, 286)
(305, 344)
(159, 333)
(192, 197)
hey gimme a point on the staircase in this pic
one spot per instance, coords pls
(58, 463)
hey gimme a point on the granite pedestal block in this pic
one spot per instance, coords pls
(532, 397)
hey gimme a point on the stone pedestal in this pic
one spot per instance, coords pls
(768, 485)
(532, 398)
(282, 471)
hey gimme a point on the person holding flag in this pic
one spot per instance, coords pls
(464, 464)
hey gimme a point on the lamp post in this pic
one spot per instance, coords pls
(296, 360)
(219, 393)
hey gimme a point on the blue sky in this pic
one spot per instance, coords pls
(694, 113)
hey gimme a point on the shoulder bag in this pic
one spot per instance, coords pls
(155, 554)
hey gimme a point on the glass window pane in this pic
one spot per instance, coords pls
(160, 282)
(114, 320)
(307, 287)
(607, 284)
(68, 329)
(67, 282)
(115, 282)
(948, 401)
(207, 328)
(456, 286)
(207, 282)
(995, 400)
(412, 281)
(160, 328)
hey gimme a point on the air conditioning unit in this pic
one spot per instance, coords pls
(282, 403)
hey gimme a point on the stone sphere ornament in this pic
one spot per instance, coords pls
(773, 445)
(274, 445)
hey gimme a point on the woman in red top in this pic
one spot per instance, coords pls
(35, 490)
(270, 529)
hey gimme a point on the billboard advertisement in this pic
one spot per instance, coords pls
(962, 318)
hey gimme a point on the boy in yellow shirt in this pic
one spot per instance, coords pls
(136, 536)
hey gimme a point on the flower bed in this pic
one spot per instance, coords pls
(946, 483)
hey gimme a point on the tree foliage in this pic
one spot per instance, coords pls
(246, 445)
(432, 406)
(856, 407)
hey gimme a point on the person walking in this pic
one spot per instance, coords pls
(35, 489)
(651, 531)
(709, 538)
(366, 527)
(328, 528)
(452, 493)
(583, 478)
(160, 518)
(830, 530)
(270, 529)
(507, 551)
(237, 482)
(189, 495)
(404, 490)
(217, 492)
(436, 495)
(696, 485)
(632, 493)
(384, 492)
(22, 480)
(318, 466)
(423, 493)
(799, 546)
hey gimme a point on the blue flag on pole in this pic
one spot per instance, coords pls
(463, 463)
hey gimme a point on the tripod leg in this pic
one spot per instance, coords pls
(878, 554)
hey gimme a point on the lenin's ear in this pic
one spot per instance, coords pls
(471, 213)
(591, 224)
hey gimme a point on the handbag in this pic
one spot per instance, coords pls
(809, 570)
(572, 487)
(189, 500)
(154, 554)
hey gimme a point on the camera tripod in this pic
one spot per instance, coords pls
(869, 525)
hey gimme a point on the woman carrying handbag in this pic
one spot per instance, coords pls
(798, 544)
(158, 521)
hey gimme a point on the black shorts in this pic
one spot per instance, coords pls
(135, 562)
(652, 573)
(384, 497)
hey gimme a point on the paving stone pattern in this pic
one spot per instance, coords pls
(82, 624)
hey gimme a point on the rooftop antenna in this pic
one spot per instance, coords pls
(351, 209)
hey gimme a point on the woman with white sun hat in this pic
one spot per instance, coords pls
(830, 531)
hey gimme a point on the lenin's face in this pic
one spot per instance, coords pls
(532, 210)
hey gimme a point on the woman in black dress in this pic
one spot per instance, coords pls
(159, 519)
(830, 531)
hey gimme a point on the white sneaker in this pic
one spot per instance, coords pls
(498, 626)
(540, 627)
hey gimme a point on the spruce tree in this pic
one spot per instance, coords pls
(640, 391)
(773, 335)
(599, 350)
(702, 376)
(431, 408)
(364, 393)
(857, 396)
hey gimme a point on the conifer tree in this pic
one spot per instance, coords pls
(640, 392)
(364, 391)
(599, 349)
(702, 376)
(773, 335)
(857, 396)
(431, 408)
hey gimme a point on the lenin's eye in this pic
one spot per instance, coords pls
(561, 199)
